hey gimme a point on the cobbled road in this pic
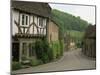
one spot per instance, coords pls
(71, 60)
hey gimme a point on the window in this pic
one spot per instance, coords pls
(24, 49)
(24, 20)
(31, 50)
(44, 22)
(40, 21)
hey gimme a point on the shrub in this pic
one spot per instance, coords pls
(45, 58)
(50, 54)
(57, 49)
(40, 62)
(45, 45)
(79, 44)
(24, 58)
(16, 65)
(61, 47)
(53, 46)
(34, 62)
(39, 48)
(42, 50)
(54, 50)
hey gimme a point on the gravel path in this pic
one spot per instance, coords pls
(72, 60)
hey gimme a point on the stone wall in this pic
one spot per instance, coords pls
(52, 32)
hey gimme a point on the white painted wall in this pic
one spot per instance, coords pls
(35, 30)
(35, 21)
(31, 21)
(15, 15)
(24, 19)
(44, 22)
(44, 31)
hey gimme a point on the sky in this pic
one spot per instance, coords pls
(86, 13)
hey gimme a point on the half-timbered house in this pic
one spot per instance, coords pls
(29, 22)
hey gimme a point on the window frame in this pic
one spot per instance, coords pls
(24, 50)
(31, 50)
(42, 21)
(25, 23)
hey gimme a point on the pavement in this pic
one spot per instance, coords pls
(71, 60)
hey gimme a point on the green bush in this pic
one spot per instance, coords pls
(34, 62)
(24, 58)
(47, 52)
(45, 58)
(39, 48)
(79, 44)
(40, 62)
(57, 49)
(61, 47)
(54, 50)
(16, 65)
(42, 50)
(50, 54)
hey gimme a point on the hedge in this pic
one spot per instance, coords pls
(57, 48)
(43, 50)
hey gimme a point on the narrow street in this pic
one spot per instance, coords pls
(72, 60)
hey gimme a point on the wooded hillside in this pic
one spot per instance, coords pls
(71, 25)
(68, 22)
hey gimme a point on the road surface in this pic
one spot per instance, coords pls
(72, 60)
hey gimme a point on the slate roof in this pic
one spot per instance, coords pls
(38, 8)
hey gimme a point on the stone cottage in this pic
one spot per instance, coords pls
(53, 31)
(89, 41)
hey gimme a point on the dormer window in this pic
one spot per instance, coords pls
(24, 20)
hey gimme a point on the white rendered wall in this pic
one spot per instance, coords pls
(31, 21)
(15, 16)
(35, 21)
